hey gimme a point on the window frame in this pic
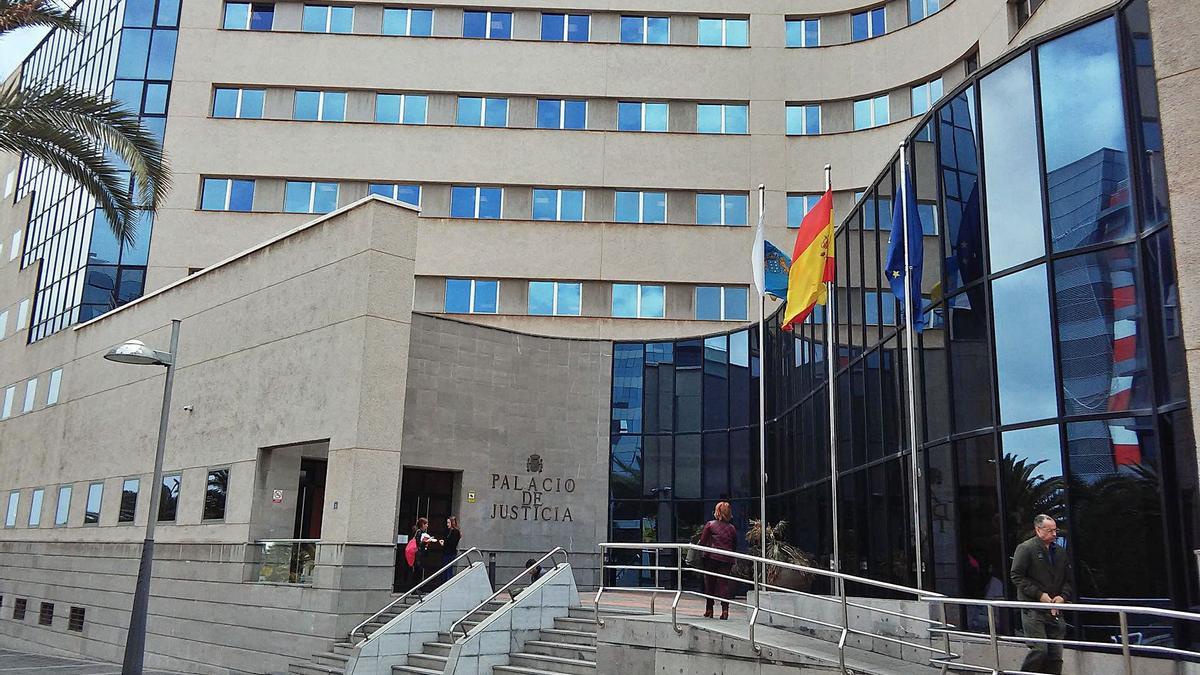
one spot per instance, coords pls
(87, 504)
(487, 30)
(31, 386)
(328, 19)
(321, 94)
(408, 16)
(36, 500)
(228, 194)
(724, 31)
(403, 109)
(477, 189)
(312, 195)
(869, 12)
(558, 205)
(483, 102)
(237, 108)
(249, 25)
(208, 475)
(722, 293)
(395, 195)
(804, 109)
(562, 113)
(10, 394)
(638, 307)
(642, 116)
(14, 505)
(803, 21)
(554, 288)
(566, 27)
(178, 475)
(137, 485)
(58, 506)
(723, 196)
(471, 297)
(53, 387)
(873, 102)
(641, 206)
(806, 196)
(645, 28)
(724, 130)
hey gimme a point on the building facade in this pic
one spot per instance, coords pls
(375, 329)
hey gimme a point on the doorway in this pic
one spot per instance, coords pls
(310, 499)
(424, 493)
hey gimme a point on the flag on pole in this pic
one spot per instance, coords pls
(812, 262)
(758, 256)
(894, 270)
(777, 265)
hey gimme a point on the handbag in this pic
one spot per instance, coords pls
(694, 556)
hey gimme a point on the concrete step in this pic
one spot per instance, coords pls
(554, 664)
(345, 648)
(436, 648)
(430, 661)
(414, 670)
(522, 670)
(564, 650)
(575, 623)
(314, 669)
(331, 659)
(443, 636)
(569, 636)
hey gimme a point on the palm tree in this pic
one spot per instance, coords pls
(72, 131)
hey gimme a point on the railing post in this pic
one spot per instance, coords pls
(654, 594)
(757, 600)
(991, 632)
(1125, 642)
(841, 584)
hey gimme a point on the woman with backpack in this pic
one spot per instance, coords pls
(718, 533)
(415, 550)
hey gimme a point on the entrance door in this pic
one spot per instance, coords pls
(311, 499)
(424, 493)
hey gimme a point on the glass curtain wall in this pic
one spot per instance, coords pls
(1050, 377)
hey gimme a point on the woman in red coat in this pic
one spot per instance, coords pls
(718, 533)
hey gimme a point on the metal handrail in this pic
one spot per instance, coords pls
(844, 629)
(1122, 611)
(493, 596)
(412, 590)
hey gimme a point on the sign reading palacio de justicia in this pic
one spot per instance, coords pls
(531, 496)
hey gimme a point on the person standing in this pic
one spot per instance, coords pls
(450, 546)
(1041, 571)
(424, 541)
(718, 533)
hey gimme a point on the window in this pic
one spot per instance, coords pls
(327, 19)
(1024, 9)
(239, 103)
(410, 22)
(557, 204)
(804, 119)
(919, 9)
(249, 16)
(645, 30)
(75, 622)
(129, 496)
(488, 25)
(62, 510)
(638, 301)
(721, 303)
(15, 249)
(472, 296)
(554, 113)
(215, 493)
(482, 112)
(871, 311)
(871, 112)
(309, 197)
(401, 108)
(30, 395)
(35, 507)
(168, 497)
(566, 27)
(721, 118)
(46, 614)
(721, 209)
(95, 494)
(10, 516)
(724, 32)
(798, 206)
(325, 106)
(554, 298)
(22, 313)
(803, 32)
(639, 116)
(3, 324)
(476, 202)
(410, 194)
(227, 194)
(19, 608)
(925, 95)
(9, 393)
(866, 24)
(641, 207)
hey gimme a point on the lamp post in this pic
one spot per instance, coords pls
(137, 353)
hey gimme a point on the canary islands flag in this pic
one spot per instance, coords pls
(812, 263)
(776, 264)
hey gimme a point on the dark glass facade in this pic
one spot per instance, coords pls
(1050, 377)
(126, 52)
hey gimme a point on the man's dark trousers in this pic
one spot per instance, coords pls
(1043, 657)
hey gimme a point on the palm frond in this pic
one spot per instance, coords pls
(86, 126)
(16, 14)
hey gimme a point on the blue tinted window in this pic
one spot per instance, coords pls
(500, 25)
(656, 117)
(307, 105)
(859, 25)
(381, 189)
(252, 103)
(652, 302)
(736, 302)
(395, 21)
(624, 300)
(629, 116)
(735, 209)
(162, 55)
(458, 296)
(541, 298)
(410, 194)
(225, 103)
(1024, 353)
(798, 207)
(213, 195)
(545, 204)
(470, 111)
(415, 109)
(325, 197)
(658, 29)
(554, 27)
(474, 24)
(490, 200)
(654, 207)
(570, 205)
(812, 119)
(578, 28)
(568, 296)
(735, 119)
(297, 196)
(737, 32)
(387, 108)
(128, 93)
(708, 209)
(708, 303)
(495, 112)
(462, 202)
(709, 118)
(628, 207)
(486, 296)
(633, 29)
(549, 113)
(156, 100)
(575, 115)
(241, 195)
(316, 18)
(333, 108)
(237, 15)
(341, 19)
(420, 22)
(135, 49)
(711, 32)
(262, 16)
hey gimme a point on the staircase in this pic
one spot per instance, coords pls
(432, 659)
(567, 649)
(333, 662)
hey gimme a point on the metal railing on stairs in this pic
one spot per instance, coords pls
(461, 621)
(450, 565)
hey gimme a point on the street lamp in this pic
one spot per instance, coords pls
(137, 353)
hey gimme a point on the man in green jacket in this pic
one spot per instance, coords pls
(1041, 571)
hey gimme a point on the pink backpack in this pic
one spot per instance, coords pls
(410, 551)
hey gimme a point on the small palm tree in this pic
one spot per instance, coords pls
(72, 131)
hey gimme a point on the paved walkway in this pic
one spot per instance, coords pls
(14, 662)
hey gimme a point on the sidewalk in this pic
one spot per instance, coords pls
(25, 663)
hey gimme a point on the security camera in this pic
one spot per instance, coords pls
(188, 408)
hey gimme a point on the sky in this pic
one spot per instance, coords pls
(15, 46)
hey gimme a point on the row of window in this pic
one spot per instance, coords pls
(75, 619)
(215, 494)
(803, 119)
(564, 298)
(563, 27)
(22, 319)
(31, 389)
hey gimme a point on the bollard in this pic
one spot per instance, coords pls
(492, 569)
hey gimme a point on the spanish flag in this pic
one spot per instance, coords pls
(812, 262)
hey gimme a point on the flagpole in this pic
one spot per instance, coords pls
(835, 561)
(762, 419)
(909, 307)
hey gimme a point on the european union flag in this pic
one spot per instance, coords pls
(894, 269)
(776, 266)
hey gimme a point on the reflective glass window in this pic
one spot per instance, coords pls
(715, 118)
(401, 108)
(1031, 473)
(919, 9)
(216, 490)
(867, 24)
(565, 27)
(721, 209)
(408, 193)
(638, 116)
(637, 301)
(14, 501)
(645, 29)
(628, 384)
(803, 32)
(95, 494)
(561, 114)
(557, 204)
(489, 25)
(798, 206)
(35, 508)
(804, 120)
(1014, 189)
(871, 112)
(476, 202)
(242, 103)
(554, 298)
(724, 32)
(708, 303)
(410, 22)
(327, 19)
(262, 15)
(55, 381)
(958, 168)
(129, 496)
(237, 15)
(1087, 168)
(62, 509)
(482, 112)
(168, 499)
(641, 207)
(688, 462)
(1163, 298)
(625, 474)
(1024, 352)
